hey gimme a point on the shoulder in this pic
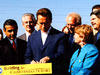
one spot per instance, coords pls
(35, 33)
(20, 40)
(5, 41)
(91, 46)
(91, 49)
(56, 32)
(21, 36)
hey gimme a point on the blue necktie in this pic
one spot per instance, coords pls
(98, 34)
(71, 39)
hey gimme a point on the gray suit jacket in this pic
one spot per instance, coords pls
(23, 37)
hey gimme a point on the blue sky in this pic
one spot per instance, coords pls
(14, 9)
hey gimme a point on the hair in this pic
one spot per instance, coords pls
(76, 16)
(29, 14)
(96, 13)
(86, 32)
(96, 7)
(44, 12)
(10, 22)
(1, 31)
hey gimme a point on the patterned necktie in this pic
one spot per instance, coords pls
(14, 46)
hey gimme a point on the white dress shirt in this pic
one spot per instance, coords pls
(27, 35)
(11, 41)
(44, 35)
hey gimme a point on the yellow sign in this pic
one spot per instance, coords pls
(45, 68)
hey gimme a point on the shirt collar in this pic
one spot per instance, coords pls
(11, 41)
(27, 35)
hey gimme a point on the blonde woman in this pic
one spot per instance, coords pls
(84, 60)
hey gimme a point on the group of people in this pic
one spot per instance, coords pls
(72, 51)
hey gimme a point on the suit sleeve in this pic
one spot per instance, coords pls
(90, 62)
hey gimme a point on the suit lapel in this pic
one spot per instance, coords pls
(39, 40)
(9, 45)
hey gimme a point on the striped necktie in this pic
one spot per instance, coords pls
(14, 45)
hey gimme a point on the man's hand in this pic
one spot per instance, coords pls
(45, 59)
(33, 62)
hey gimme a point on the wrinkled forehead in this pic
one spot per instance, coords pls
(71, 20)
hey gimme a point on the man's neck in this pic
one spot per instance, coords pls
(95, 32)
(46, 31)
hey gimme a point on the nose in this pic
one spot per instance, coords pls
(92, 22)
(28, 23)
(12, 32)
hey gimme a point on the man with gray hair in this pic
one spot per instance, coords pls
(28, 22)
(73, 19)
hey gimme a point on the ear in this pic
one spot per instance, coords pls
(23, 25)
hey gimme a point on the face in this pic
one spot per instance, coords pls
(95, 21)
(10, 31)
(77, 38)
(71, 23)
(1, 36)
(44, 23)
(28, 23)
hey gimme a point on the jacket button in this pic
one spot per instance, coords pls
(79, 61)
(71, 71)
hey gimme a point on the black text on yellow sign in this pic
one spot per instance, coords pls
(45, 68)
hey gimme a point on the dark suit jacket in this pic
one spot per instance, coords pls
(54, 47)
(8, 55)
(23, 36)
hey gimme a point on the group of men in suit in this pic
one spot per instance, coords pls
(12, 49)
(42, 45)
(47, 44)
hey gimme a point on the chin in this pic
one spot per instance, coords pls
(76, 42)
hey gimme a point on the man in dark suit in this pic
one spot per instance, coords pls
(95, 21)
(48, 44)
(73, 19)
(28, 21)
(12, 49)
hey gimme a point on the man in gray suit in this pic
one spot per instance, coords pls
(28, 22)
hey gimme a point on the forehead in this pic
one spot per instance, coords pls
(42, 18)
(93, 16)
(71, 20)
(8, 27)
(27, 18)
(95, 9)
